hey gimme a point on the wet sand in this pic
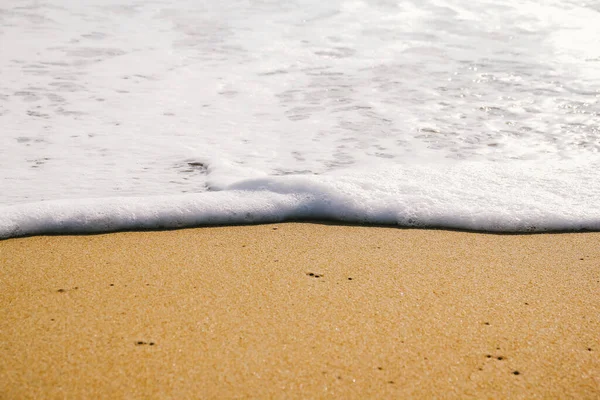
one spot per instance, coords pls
(300, 310)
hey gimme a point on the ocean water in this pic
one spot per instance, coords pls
(427, 113)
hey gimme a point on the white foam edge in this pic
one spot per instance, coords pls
(522, 197)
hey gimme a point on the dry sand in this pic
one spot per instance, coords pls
(300, 311)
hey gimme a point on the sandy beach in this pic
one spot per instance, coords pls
(300, 310)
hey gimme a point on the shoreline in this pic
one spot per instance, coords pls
(324, 222)
(300, 310)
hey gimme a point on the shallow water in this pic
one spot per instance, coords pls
(443, 113)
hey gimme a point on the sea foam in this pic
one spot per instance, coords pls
(522, 197)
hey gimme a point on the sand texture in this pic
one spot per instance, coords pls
(300, 310)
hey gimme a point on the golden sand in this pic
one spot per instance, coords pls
(300, 311)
